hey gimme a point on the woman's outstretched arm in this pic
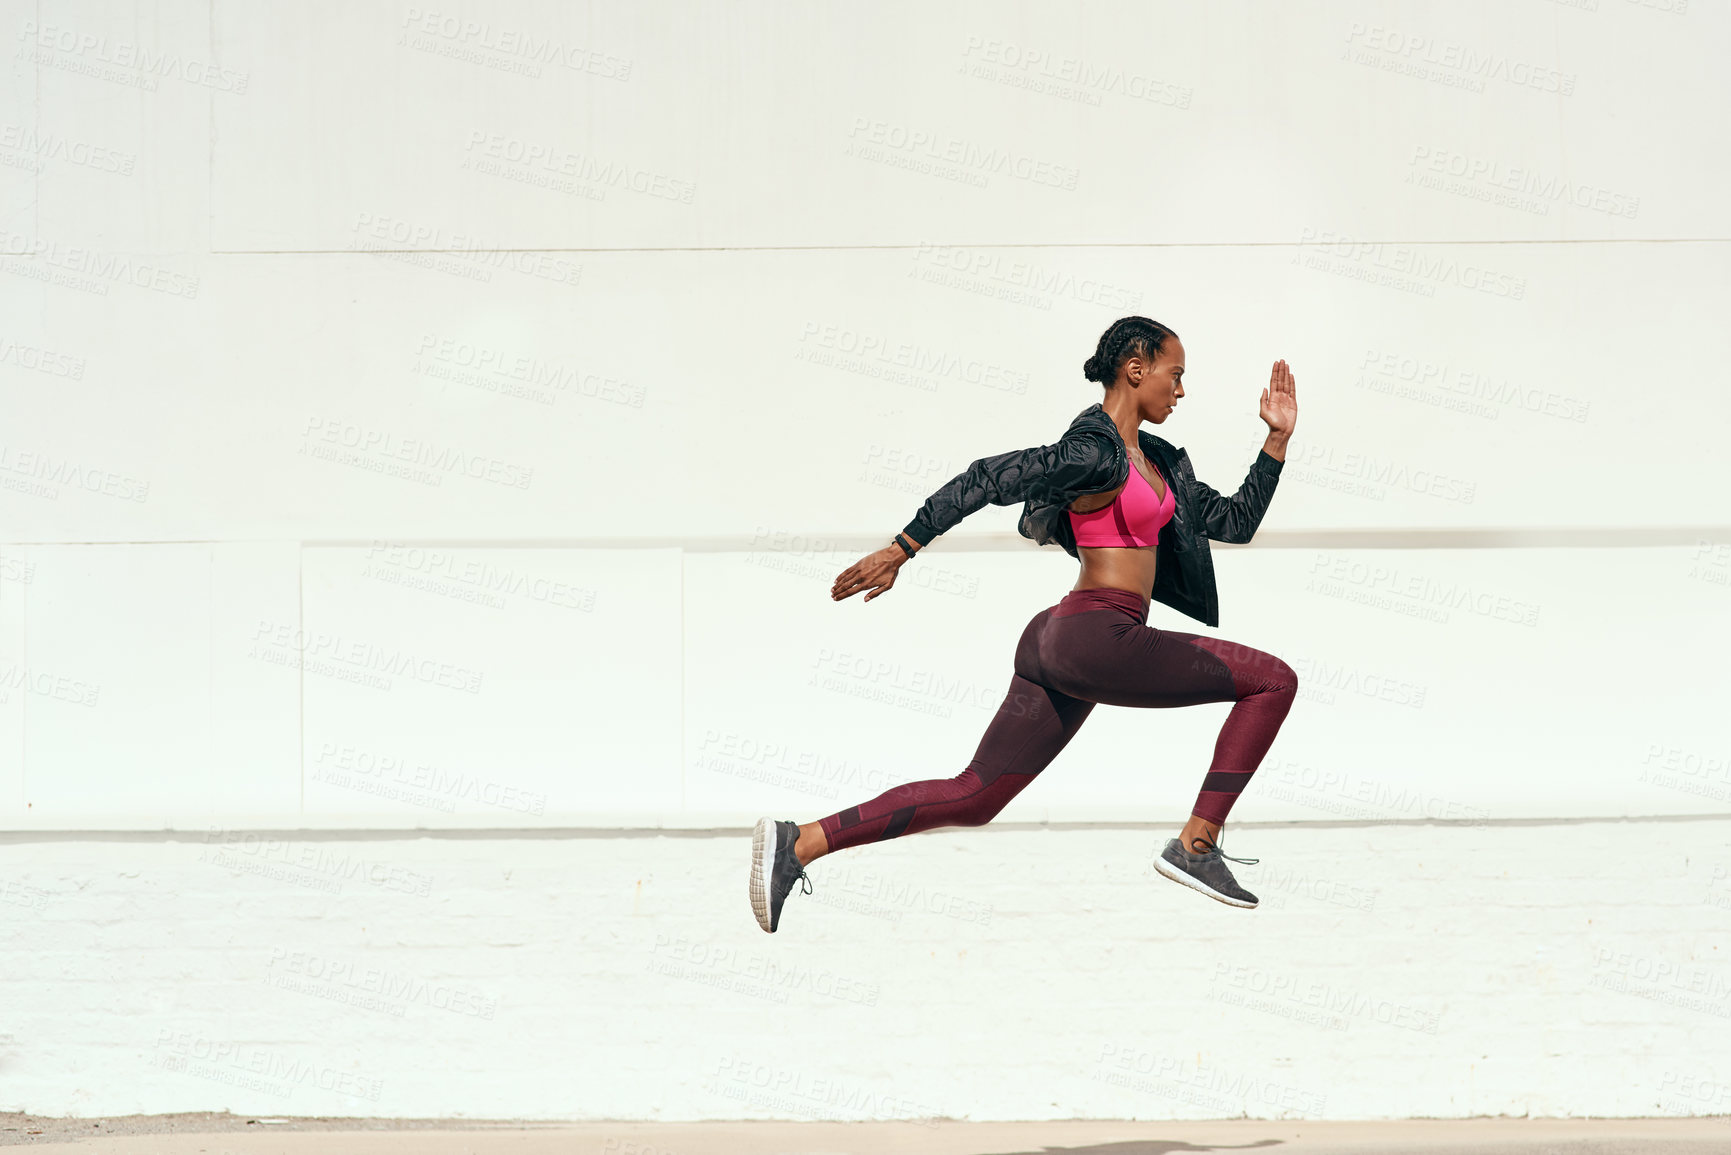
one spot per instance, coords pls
(1077, 461)
(1234, 519)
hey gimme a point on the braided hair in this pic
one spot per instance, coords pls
(1125, 338)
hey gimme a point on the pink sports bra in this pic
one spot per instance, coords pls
(1133, 519)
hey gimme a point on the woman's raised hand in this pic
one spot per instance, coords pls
(1279, 402)
(875, 572)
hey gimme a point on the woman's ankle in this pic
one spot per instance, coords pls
(1198, 828)
(811, 843)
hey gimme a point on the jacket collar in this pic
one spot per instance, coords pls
(1096, 414)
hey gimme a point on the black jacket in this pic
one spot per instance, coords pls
(1091, 458)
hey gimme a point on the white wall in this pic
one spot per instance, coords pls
(577, 452)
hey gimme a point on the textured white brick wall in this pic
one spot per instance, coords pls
(1000, 973)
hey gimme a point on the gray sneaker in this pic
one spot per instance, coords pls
(774, 870)
(1206, 871)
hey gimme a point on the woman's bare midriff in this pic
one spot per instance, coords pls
(1117, 567)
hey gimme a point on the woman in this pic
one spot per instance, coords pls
(1128, 505)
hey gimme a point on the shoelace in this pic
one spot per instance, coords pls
(1214, 847)
(802, 878)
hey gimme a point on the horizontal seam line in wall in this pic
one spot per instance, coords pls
(494, 833)
(981, 245)
(1519, 538)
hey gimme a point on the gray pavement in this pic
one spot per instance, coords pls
(224, 1134)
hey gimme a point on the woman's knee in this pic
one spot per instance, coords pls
(1281, 679)
(985, 808)
(1259, 672)
(1254, 671)
(974, 816)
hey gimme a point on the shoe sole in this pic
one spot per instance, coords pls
(1198, 885)
(762, 860)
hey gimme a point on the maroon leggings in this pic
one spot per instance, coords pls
(1094, 646)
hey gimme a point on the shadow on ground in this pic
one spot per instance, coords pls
(1141, 1147)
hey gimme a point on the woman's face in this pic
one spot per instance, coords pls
(1159, 383)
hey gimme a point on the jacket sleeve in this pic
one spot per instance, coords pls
(1234, 519)
(1079, 462)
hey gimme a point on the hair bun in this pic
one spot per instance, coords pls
(1127, 336)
